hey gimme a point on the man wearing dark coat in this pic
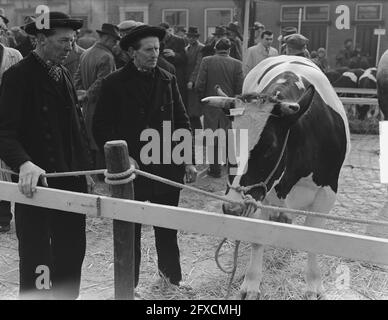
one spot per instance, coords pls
(173, 50)
(194, 58)
(226, 72)
(42, 130)
(142, 96)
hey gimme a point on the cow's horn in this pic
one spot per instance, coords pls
(219, 102)
(219, 91)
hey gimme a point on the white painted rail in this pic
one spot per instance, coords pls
(351, 246)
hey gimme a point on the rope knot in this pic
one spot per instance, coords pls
(121, 177)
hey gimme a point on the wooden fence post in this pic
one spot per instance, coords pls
(117, 161)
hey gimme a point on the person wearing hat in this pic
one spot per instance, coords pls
(219, 33)
(226, 72)
(258, 28)
(173, 50)
(181, 31)
(42, 130)
(96, 63)
(261, 51)
(194, 58)
(235, 38)
(25, 42)
(73, 60)
(296, 45)
(143, 96)
(286, 31)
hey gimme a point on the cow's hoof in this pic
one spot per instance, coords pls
(244, 295)
(310, 295)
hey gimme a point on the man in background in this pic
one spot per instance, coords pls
(344, 55)
(296, 45)
(226, 72)
(96, 63)
(261, 51)
(173, 50)
(73, 60)
(194, 58)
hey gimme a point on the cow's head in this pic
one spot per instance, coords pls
(268, 118)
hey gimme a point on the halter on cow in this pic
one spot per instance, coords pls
(298, 140)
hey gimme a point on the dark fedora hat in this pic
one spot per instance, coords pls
(220, 31)
(57, 20)
(234, 28)
(193, 31)
(289, 30)
(141, 32)
(110, 29)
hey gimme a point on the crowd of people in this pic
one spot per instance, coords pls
(64, 93)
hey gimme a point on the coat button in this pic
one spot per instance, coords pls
(52, 160)
(48, 136)
(45, 108)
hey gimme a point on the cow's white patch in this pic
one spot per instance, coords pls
(303, 68)
(280, 81)
(303, 193)
(300, 85)
(368, 74)
(351, 76)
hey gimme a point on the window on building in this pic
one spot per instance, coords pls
(368, 11)
(176, 17)
(134, 13)
(317, 13)
(291, 13)
(309, 13)
(366, 41)
(216, 17)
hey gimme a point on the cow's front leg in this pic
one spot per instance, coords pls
(323, 203)
(250, 288)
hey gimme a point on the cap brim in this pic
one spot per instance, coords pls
(73, 24)
(138, 34)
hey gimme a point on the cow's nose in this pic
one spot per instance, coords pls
(232, 209)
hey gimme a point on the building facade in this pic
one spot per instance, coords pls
(319, 23)
(204, 14)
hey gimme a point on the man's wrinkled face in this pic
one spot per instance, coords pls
(147, 55)
(57, 47)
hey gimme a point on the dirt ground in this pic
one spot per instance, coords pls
(361, 195)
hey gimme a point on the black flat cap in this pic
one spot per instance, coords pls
(57, 20)
(141, 32)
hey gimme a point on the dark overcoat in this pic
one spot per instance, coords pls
(178, 45)
(41, 123)
(123, 112)
(226, 72)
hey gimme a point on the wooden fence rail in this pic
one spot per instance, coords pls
(333, 243)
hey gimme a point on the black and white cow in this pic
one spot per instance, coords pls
(382, 84)
(288, 105)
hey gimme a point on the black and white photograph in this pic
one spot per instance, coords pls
(201, 151)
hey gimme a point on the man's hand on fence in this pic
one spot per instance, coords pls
(29, 176)
(191, 173)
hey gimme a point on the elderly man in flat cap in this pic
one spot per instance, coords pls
(143, 96)
(296, 45)
(42, 130)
